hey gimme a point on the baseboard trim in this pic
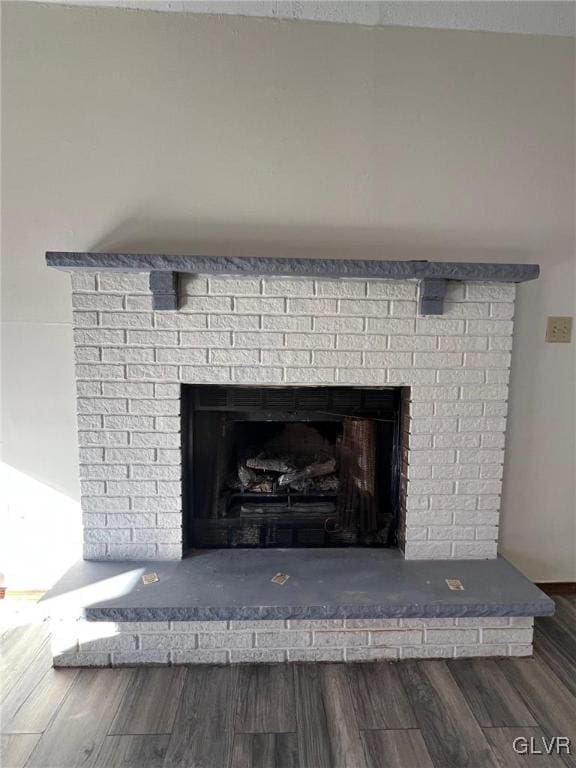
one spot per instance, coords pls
(558, 587)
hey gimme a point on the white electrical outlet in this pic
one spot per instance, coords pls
(559, 330)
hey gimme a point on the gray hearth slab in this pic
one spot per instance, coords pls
(323, 584)
(294, 267)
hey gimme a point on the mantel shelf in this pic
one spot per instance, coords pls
(433, 275)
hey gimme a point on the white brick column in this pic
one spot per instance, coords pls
(131, 362)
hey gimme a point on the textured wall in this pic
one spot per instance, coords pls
(145, 131)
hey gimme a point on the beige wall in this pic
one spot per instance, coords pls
(145, 131)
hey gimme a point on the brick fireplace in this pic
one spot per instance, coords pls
(140, 342)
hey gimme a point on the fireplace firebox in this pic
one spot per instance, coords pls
(290, 466)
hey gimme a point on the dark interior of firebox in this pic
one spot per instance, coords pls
(291, 467)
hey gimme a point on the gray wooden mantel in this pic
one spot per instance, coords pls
(433, 276)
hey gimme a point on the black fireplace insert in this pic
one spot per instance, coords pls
(290, 466)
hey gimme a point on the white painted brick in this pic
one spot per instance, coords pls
(287, 323)
(372, 624)
(286, 357)
(457, 409)
(132, 551)
(491, 291)
(168, 423)
(105, 504)
(136, 303)
(468, 472)
(93, 520)
(337, 358)
(131, 488)
(163, 407)
(88, 388)
(434, 393)
(492, 471)
(451, 533)
(156, 504)
(209, 304)
(512, 635)
(471, 651)
(390, 326)
(341, 288)
(258, 340)
(94, 551)
(424, 550)
(234, 322)
(207, 339)
(283, 639)
(463, 517)
(152, 338)
(339, 324)
(128, 455)
(170, 390)
(154, 439)
(446, 456)
(492, 440)
(169, 488)
(427, 623)
(461, 440)
(127, 355)
(103, 472)
(199, 657)
(434, 426)
(226, 640)
(258, 375)
(312, 306)
(193, 285)
(168, 520)
(288, 287)
(427, 652)
(316, 623)
(115, 535)
(490, 502)
(231, 286)
(344, 639)
(184, 356)
(255, 657)
(160, 535)
(353, 341)
(131, 519)
(127, 389)
(437, 359)
(475, 550)
(392, 289)
(421, 410)
(92, 487)
(96, 301)
(128, 421)
(466, 456)
(460, 376)
(310, 375)
(260, 305)
(370, 654)
(412, 343)
(91, 455)
(362, 376)
(126, 319)
(497, 376)
(463, 343)
(428, 518)
(87, 354)
(84, 319)
(487, 359)
(389, 359)
(396, 638)
(168, 641)
(81, 660)
(403, 309)
(466, 309)
(139, 658)
(501, 343)
(486, 532)
(83, 281)
(206, 374)
(167, 456)
(489, 327)
(159, 372)
(364, 307)
(122, 282)
(315, 654)
(440, 326)
(99, 372)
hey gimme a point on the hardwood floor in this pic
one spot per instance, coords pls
(413, 714)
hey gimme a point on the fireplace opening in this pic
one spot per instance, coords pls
(291, 466)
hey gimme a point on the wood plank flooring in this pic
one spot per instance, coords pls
(414, 714)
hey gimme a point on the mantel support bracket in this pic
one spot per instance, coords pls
(431, 296)
(164, 287)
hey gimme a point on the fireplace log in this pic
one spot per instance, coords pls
(270, 465)
(316, 469)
